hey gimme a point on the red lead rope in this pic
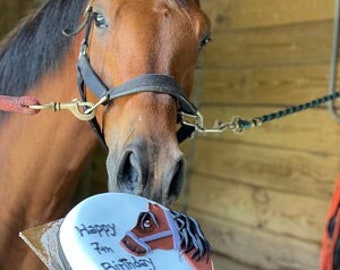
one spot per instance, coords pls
(18, 104)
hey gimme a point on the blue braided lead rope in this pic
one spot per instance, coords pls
(242, 124)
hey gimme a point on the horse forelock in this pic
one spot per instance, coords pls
(37, 45)
(191, 236)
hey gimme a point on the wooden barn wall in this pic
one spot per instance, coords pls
(11, 11)
(262, 197)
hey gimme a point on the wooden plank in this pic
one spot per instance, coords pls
(281, 213)
(256, 248)
(223, 263)
(280, 169)
(312, 130)
(303, 44)
(228, 14)
(274, 85)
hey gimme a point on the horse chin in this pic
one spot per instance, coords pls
(130, 246)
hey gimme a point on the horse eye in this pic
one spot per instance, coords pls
(147, 223)
(205, 41)
(100, 20)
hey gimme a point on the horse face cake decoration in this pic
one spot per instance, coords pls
(115, 231)
(160, 228)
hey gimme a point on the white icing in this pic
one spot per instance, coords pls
(90, 235)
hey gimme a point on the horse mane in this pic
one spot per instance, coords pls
(191, 236)
(37, 45)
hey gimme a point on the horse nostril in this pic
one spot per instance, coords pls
(176, 182)
(129, 174)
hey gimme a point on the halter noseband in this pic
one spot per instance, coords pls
(157, 83)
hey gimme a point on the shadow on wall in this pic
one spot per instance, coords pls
(11, 11)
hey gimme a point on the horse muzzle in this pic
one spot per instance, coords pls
(147, 169)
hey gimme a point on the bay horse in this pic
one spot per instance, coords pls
(165, 229)
(155, 41)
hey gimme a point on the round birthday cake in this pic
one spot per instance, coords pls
(115, 231)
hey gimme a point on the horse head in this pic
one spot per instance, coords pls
(152, 231)
(164, 229)
(133, 38)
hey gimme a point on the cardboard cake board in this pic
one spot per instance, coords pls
(44, 243)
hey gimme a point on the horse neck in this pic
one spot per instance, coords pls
(165, 243)
(41, 156)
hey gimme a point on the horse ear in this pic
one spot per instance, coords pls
(153, 206)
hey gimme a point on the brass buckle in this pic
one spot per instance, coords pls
(73, 107)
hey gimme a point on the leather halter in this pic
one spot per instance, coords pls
(157, 83)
